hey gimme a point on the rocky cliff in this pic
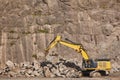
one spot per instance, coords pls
(28, 26)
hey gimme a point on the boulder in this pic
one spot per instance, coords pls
(1, 71)
(47, 72)
(12, 74)
(36, 73)
(10, 64)
(35, 65)
(25, 65)
(22, 71)
(29, 71)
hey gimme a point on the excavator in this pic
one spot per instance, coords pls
(92, 67)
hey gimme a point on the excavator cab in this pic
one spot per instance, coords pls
(89, 63)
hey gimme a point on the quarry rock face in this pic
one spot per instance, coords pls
(28, 26)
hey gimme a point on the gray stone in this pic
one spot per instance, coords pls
(27, 75)
(1, 71)
(36, 73)
(47, 73)
(55, 72)
(62, 68)
(29, 71)
(71, 73)
(35, 65)
(10, 64)
(25, 65)
(12, 74)
(22, 71)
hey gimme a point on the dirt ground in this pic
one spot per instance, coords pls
(113, 76)
(103, 78)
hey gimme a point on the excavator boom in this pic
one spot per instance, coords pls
(76, 47)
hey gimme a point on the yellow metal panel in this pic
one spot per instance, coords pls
(77, 48)
(104, 65)
(53, 43)
(84, 54)
(108, 65)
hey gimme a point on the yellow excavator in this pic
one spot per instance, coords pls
(94, 68)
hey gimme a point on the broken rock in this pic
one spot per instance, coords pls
(36, 73)
(10, 64)
(47, 72)
(12, 74)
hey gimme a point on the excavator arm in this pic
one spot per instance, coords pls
(53, 43)
(76, 47)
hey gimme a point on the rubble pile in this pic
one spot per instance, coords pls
(62, 68)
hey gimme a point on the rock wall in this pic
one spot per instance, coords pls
(28, 26)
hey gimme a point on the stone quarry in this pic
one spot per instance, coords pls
(28, 26)
(62, 68)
